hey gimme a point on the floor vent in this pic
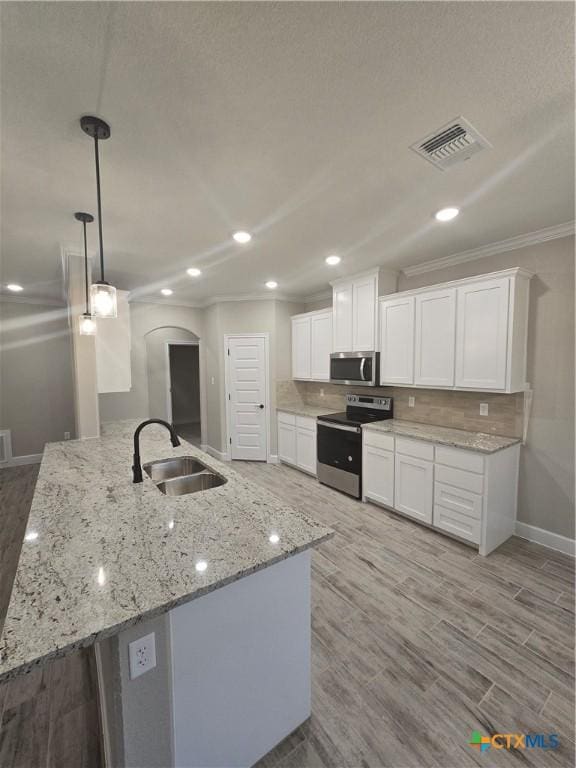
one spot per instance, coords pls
(5, 447)
(453, 143)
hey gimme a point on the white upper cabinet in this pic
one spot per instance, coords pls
(321, 344)
(311, 345)
(397, 340)
(467, 334)
(435, 338)
(482, 335)
(342, 306)
(113, 368)
(364, 302)
(355, 304)
(301, 340)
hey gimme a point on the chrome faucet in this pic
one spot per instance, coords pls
(136, 466)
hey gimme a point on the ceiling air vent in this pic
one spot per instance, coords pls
(453, 143)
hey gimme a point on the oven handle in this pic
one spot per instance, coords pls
(362, 364)
(342, 427)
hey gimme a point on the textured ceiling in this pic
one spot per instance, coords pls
(291, 120)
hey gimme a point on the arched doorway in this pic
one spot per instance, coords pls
(174, 379)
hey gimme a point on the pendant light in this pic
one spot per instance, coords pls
(102, 294)
(87, 324)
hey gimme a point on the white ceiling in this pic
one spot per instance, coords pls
(290, 120)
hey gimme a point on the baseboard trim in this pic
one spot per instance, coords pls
(17, 461)
(213, 452)
(273, 459)
(546, 538)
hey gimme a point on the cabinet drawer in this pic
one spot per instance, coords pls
(458, 500)
(416, 448)
(305, 422)
(459, 478)
(378, 440)
(457, 523)
(287, 418)
(454, 457)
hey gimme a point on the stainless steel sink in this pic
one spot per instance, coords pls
(176, 467)
(202, 481)
(182, 475)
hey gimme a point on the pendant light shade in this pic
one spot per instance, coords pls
(102, 294)
(87, 326)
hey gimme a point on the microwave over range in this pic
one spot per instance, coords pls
(360, 369)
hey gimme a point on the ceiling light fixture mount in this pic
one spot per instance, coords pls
(447, 214)
(103, 295)
(87, 324)
(242, 237)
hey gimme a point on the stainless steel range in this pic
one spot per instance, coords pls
(339, 441)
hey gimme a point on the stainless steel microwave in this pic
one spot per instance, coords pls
(355, 368)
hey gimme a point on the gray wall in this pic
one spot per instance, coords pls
(546, 491)
(36, 389)
(145, 318)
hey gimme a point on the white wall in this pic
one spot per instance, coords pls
(36, 390)
(546, 490)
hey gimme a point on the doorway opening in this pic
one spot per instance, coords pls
(184, 389)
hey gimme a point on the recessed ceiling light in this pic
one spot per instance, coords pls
(242, 237)
(14, 287)
(271, 284)
(333, 260)
(194, 272)
(446, 214)
(166, 291)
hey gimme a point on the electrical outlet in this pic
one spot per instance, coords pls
(66, 435)
(142, 655)
(321, 392)
(212, 380)
(483, 409)
(411, 402)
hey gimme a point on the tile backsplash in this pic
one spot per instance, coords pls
(444, 408)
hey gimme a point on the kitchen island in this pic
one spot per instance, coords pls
(221, 577)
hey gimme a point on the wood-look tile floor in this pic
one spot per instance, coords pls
(48, 718)
(418, 641)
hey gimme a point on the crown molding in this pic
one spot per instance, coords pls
(223, 299)
(510, 244)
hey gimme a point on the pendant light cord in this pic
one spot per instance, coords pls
(99, 209)
(86, 267)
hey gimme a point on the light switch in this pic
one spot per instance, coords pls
(483, 409)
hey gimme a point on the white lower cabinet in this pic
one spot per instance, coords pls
(297, 441)
(414, 482)
(469, 495)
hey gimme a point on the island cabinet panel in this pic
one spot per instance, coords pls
(397, 340)
(435, 338)
(240, 661)
(482, 335)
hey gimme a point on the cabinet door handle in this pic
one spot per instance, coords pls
(260, 406)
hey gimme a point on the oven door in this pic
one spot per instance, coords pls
(356, 368)
(339, 449)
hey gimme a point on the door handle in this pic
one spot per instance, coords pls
(362, 364)
(260, 406)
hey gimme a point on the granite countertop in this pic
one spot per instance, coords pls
(305, 410)
(101, 553)
(457, 438)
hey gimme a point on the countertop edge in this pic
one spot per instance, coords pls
(377, 427)
(115, 629)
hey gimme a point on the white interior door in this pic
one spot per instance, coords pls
(247, 377)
